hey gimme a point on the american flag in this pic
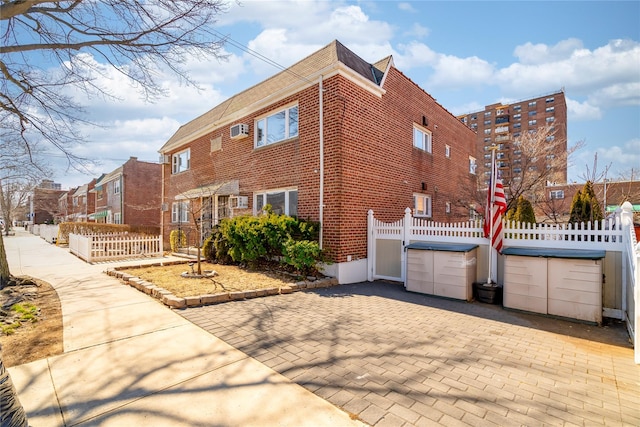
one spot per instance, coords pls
(496, 207)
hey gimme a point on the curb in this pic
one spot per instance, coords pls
(173, 301)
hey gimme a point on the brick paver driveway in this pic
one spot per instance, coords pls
(397, 358)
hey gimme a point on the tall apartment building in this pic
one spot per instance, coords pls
(502, 124)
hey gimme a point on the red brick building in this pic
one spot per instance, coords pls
(501, 124)
(129, 195)
(327, 139)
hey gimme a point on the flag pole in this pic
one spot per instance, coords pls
(490, 201)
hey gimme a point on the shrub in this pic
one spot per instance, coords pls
(177, 239)
(302, 255)
(251, 239)
(208, 248)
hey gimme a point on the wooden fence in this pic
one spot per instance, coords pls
(110, 247)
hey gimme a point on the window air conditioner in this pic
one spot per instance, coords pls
(164, 159)
(239, 131)
(239, 202)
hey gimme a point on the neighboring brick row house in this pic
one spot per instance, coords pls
(328, 139)
(129, 195)
(557, 205)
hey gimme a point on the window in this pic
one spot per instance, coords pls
(487, 122)
(421, 205)
(116, 189)
(422, 139)
(74, 201)
(487, 140)
(532, 104)
(474, 126)
(487, 113)
(550, 119)
(463, 120)
(517, 107)
(447, 207)
(487, 131)
(99, 193)
(447, 151)
(474, 117)
(473, 214)
(550, 99)
(472, 165)
(516, 125)
(277, 127)
(532, 122)
(532, 113)
(180, 212)
(550, 109)
(517, 116)
(117, 218)
(550, 138)
(181, 161)
(281, 201)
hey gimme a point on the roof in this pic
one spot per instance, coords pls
(304, 72)
(109, 177)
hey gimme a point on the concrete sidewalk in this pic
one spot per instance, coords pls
(128, 360)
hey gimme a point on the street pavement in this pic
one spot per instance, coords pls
(394, 358)
(130, 361)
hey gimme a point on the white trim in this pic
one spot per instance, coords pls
(347, 272)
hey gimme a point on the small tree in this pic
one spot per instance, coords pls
(585, 206)
(522, 212)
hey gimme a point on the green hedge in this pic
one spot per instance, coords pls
(255, 239)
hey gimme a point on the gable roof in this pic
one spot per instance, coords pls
(325, 61)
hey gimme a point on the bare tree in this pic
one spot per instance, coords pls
(136, 38)
(526, 165)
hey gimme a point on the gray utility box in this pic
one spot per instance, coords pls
(560, 282)
(446, 270)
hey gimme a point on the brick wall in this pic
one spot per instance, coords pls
(141, 192)
(370, 161)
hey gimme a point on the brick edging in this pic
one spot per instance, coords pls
(173, 301)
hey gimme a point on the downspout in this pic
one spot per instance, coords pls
(161, 204)
(321, 172)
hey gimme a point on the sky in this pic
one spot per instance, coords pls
(464, 54)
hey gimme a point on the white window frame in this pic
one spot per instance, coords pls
(422, 139)
(447, 151)
(421, 205)
(181, 161)
(117, 218)
(473, 165)
(447, 207)
(179, 212)
(116, 187)
(556, 194)
(264, 196)
(261, 127)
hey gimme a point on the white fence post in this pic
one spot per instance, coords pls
(370, 246)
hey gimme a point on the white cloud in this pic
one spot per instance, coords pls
(582, 111)
(413, 55)
(619, 158)
(530, 54)
(452, 71)
(417, 31)
(406, 7)
(607, 74)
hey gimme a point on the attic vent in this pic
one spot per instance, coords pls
(239, 131)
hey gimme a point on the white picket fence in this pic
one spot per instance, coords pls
(110, 247)
(387, 241)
